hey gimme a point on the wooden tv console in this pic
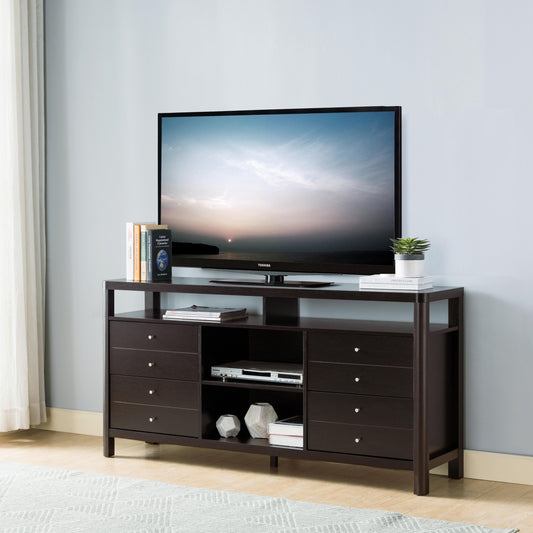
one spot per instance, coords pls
(376, 393)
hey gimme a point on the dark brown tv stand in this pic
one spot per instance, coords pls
(376, 393)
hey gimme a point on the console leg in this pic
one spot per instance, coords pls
(421, 483)
(273, 462)
(455, 318)
(109, 447)
(456, 467)
(420, 398)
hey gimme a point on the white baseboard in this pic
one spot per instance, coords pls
(70, 421)
(478, 465)
(492, 466)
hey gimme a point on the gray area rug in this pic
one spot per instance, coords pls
(35, 499)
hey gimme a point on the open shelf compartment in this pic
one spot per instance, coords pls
(218, 401)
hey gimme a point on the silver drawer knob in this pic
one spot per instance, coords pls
(356, 410)
(151, 337)
(356, 349)
(357, 440)
(152, 419)
(150, 364)
(356, 380)
(151, 391)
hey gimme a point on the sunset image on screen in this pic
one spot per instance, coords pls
(303, 183)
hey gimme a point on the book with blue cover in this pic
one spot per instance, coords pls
(159, 255)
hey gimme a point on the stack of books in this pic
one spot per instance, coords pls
(390, 282)
(148, 252)
(287, 432)
(206, 314)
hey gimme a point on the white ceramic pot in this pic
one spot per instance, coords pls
(409, 265)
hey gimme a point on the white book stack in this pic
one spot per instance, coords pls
(390, 282)
(206, 314)
(287, 432)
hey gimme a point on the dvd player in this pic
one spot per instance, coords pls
(260, 371)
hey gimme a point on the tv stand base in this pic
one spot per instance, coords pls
(274, 281)
(376, 393)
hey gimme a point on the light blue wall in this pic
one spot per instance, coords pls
(461, 71)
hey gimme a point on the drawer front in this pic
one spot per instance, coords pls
(154, 364)
(361, 379)
(149, 336)
(166, 392)
(360, 440)
(362, 410)
(155, 419)
(340, 347)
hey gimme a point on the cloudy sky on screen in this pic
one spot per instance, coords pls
(245, 179)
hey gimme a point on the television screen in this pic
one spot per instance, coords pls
(309, 190)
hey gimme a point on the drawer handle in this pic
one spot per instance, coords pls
(356, 349)
(151, 364)
(356, 380)
(152, 419)
(356, 410)
(151, 391)
(151, 337)
(357, 440)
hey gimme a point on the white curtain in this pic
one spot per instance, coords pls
(22, 215)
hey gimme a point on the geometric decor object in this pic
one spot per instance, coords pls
(258, 417)
(228, 426)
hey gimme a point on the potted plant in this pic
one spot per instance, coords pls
(409, 256)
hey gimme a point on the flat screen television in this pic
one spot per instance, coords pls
(282, 191)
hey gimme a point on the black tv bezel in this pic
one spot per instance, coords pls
(290, 267)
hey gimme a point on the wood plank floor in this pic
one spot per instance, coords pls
(503, 505)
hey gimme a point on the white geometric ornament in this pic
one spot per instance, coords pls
(228, 426)
(258, 417)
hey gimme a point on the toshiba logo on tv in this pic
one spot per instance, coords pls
(264, 265)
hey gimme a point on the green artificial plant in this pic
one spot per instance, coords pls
(410, 245)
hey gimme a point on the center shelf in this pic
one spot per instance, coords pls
(253, 385)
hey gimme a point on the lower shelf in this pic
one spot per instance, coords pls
(261, 446)
(258, 445)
